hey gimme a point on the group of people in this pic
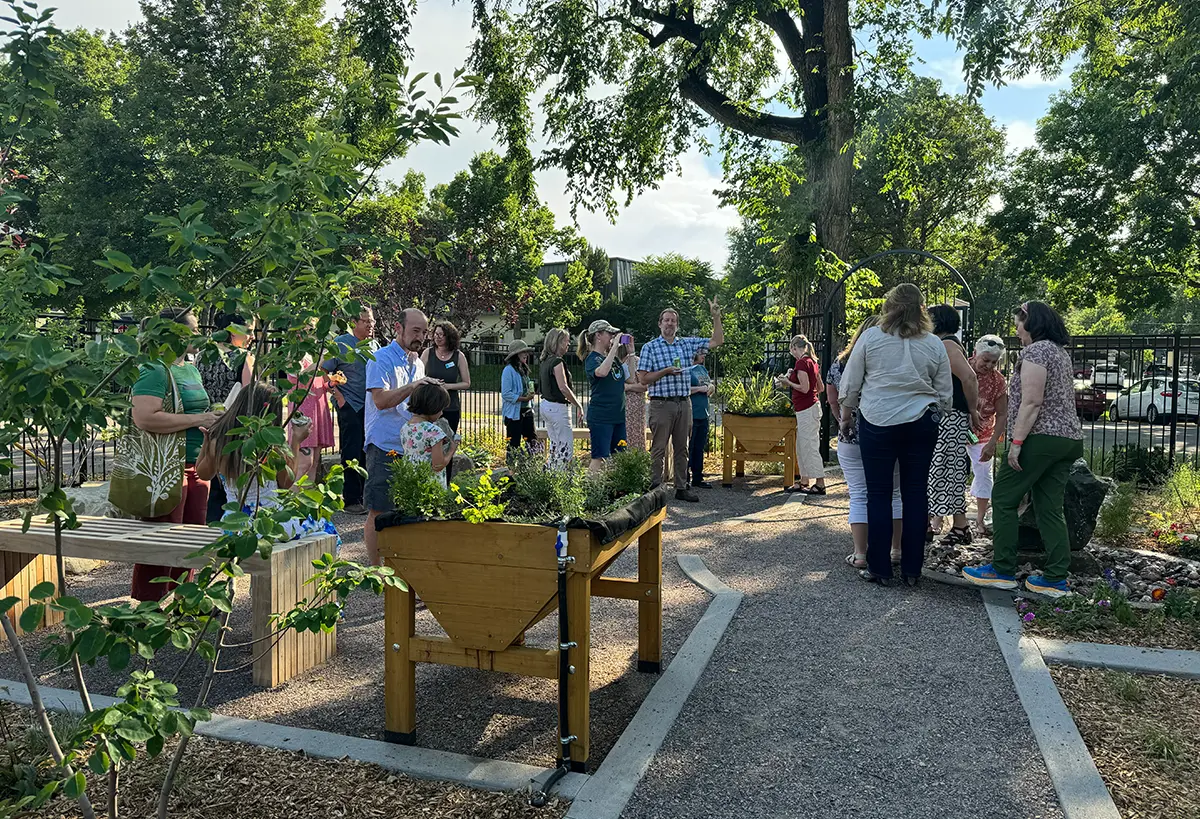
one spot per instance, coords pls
(917, 416)
(669, 371)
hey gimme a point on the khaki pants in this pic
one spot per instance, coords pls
(670, 422)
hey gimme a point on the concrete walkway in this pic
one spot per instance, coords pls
(829, 697)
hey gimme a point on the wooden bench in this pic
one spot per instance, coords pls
(276, 585)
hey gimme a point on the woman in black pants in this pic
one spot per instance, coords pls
(447, 363)
(898, 378)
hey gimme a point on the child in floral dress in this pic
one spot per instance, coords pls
(423, 439)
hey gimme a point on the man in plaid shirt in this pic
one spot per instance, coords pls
(664, 368)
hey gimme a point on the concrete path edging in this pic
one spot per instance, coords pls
(421, 763)
(609, 789)
(1136, 659)
(1082, 793)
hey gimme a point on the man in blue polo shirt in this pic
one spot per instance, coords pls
(391, 379)
(351, 401)
(661, 368)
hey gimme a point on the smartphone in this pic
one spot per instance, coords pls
(626, 338)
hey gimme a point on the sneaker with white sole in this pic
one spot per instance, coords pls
(1038, 584)
(986, 575)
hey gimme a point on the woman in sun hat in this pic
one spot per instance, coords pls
(516, 391)
(606, 408)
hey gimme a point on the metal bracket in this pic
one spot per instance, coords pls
(565, 646)
(568, 740)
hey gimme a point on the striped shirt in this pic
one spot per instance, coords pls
(659, 354)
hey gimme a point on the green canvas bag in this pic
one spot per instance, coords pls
(147, 473)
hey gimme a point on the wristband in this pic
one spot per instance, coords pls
(1018, 442)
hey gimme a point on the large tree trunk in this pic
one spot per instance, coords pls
(831, 158)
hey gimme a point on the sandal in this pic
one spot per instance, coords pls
(857, 561)
(958, 536)
(815, 490)
(803, 490)
(871, 577)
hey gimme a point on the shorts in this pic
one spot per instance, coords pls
(606, 439)
(375, 494)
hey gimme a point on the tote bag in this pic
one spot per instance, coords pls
(147, 473)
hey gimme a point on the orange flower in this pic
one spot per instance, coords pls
(392, 453)
(1158, 594)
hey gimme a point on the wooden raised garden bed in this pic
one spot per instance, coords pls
(487, 583)
(770, 438)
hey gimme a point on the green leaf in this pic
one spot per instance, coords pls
(31, 618)
(154, 746)
(98, 763)
(134, 730)
(118, 658)
(75, 786)
(113, 716)
(7, 603)
(91, 643)
(42, 590)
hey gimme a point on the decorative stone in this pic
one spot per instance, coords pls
(1081, 505)
(1083, 562)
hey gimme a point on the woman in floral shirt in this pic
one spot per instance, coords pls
(850, 459)
(423, 439)
(1045, 440)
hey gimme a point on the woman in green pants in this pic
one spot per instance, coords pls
(1045, 439)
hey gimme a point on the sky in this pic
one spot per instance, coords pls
(682, 214)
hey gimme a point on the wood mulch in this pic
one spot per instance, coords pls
(1153, 631)
(1143, 733)
(221, 780)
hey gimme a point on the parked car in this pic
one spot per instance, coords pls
(1151, 399)
(1090, 401)
(1083, 371)
(1156, 369)
(1109, 376)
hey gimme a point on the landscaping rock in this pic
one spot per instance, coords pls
(1081, 505)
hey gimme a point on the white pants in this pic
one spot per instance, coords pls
(981, 487)
(850, 458)
(558, 430)
(808, 443)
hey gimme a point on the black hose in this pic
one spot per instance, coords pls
(540, 796)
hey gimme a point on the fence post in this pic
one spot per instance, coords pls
(1175, 355)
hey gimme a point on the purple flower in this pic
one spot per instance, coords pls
(1103, 603)
(1057, 610)
(1028, 618)
(1109, 574)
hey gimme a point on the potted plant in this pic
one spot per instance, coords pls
(483, 557)
(758, 425)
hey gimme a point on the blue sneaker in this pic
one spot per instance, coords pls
(985, 575)
(1038, 584)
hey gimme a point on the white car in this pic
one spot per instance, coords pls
(1109, 376)
(1151, 399)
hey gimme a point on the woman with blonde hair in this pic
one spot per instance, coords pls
(554, 380)
(898, 378)
(849, 457)
(804, 381)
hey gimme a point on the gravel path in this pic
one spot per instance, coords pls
(829, 697)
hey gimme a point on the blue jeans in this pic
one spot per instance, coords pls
(912, 446)
(696, 447)
(606, 439)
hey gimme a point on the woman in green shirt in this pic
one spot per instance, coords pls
(149, 392)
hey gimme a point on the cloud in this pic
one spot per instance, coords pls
(1021, 134)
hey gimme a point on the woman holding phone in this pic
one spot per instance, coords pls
(635, 395)
(606, 408)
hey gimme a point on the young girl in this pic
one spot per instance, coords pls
(265, 401)
(423, 438)
(805, 384)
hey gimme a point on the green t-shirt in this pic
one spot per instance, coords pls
(152, 380)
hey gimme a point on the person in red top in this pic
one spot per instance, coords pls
(804, 380)
(993, 416)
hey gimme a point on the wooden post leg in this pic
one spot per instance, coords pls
(650, 609)
(791, 466)
(579, 689)
(400, 672)
(727, 458)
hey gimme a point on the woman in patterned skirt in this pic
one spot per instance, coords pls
(635, 398)
(951, 462)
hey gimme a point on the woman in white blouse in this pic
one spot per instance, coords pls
(898, 377)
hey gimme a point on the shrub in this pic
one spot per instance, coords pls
(754, 395)
(1181, 492)
(1117, 514)
(485, 447)
(544, 493)
(628, 473)
(415, 492)
(1145, 465)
